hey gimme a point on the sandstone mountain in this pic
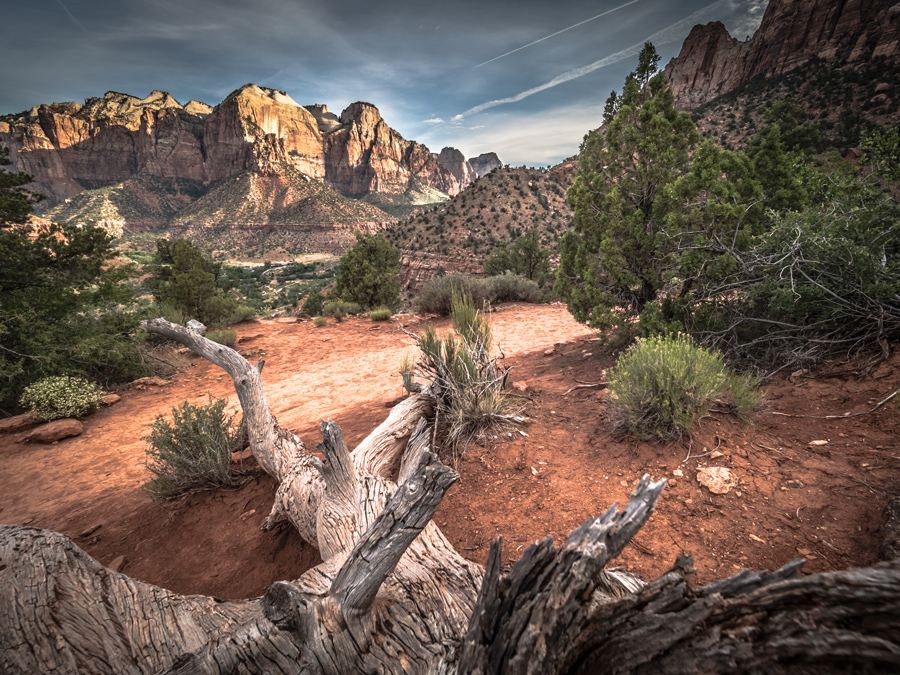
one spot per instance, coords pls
(792, 33)
(485, 163)
(144, 160)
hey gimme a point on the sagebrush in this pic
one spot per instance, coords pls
(224, 336)
(436, 296)
(465, 377)
(193, 450)
(60, 396)
(662, 385)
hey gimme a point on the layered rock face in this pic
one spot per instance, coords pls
(792, 32)
(455, 162)
(485, 163)
(365, 155)
(68, 147)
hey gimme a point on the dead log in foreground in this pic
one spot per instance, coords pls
(392, 596)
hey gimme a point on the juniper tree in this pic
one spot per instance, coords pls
(620, 256)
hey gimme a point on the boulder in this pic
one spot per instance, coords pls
(13, 424)
(55, 431)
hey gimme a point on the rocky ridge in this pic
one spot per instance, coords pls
(712, 62)
(485, 163)
(109, 141)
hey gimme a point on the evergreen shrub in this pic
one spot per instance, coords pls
(60, 396)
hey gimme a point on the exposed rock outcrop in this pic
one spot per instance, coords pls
(485, 163)
(792, 32)
(108, 140)
(455, 162)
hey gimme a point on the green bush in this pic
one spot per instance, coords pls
(341, 307)
(312, 306)
(53, 398)
(193, 451)
(437, 294)
(240, 314)
(320, 321)
(224, 336)
(380, 314)
(369, 274)
(509, 287)
(661, 385)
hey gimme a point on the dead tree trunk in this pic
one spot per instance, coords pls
(392, 596)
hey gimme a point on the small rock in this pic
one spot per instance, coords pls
(716, 479)
(549, 352)
(55, 431)
(520, 386)
(247, 514)
(755, 538)
(603, 394)
(678, 472)
(241, 456)
(804, 551)
(794, 483)
(111, 399)
(117, 564)
(17, 423)
(715, 454)
(142, 382)
(587, 354)
(818, 442)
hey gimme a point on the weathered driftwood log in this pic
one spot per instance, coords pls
(392, 596)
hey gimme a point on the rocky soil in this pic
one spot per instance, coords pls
(789, 496)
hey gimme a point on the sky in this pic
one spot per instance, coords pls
(526, 79)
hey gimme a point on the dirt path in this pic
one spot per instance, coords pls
(793, 499)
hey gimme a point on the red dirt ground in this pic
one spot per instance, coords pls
(824, 502)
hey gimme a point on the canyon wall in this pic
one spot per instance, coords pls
(792, 32)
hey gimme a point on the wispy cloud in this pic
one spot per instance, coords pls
(559, 32)
(668, 34)
(433, 120)
(72, 16)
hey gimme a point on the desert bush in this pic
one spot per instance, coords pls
(224, 336)
(467, 381)
(382, 314)
(661, 385)
(341, 307)
(312, 306)
(53, 398)
(437, 294)
(509, 287)
(240, 314)
(320, 321)
(193, 451)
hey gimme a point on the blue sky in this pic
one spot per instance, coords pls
(432, 68)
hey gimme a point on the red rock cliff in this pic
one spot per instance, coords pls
(68, 147)
(712, 63)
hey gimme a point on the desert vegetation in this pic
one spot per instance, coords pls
(779, 256)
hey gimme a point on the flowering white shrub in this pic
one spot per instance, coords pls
(61, 396)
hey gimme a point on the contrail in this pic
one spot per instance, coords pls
(581, 23)
(71, 16)
(673, 32)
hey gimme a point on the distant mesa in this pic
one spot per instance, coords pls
(792, 32)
